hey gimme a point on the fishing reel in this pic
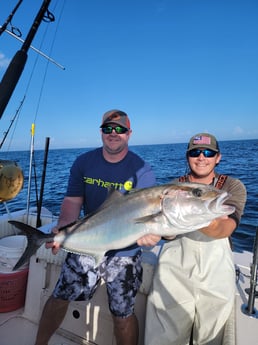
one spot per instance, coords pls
(11, 180)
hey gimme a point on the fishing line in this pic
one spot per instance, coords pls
(49, 17)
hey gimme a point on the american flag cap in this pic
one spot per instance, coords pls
(116, 116)
(203, 140)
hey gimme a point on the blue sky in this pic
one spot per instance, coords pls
(177, 67)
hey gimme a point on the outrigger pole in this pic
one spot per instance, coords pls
(15, 68)
(36, 50)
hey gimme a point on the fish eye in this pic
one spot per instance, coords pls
(197, 192)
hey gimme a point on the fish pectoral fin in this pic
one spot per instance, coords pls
(148, 219)
(98, 259)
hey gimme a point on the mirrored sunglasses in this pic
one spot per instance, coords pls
(117, 129)
(207, 153)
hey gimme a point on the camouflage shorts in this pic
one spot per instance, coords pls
(123, 276)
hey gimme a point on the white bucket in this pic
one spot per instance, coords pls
(11, 249)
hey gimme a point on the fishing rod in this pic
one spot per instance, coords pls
(249, 309)
(11, 123)
(30, 169)
(8, 20)
(39, 203)
(16, 66)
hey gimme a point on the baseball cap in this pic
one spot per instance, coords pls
(116, 116)
(204, 140)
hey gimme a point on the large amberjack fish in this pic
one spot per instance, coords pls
(165, 210)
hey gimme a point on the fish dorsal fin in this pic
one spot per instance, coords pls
(134, 190)
(113, 195)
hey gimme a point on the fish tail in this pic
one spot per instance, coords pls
(35, 239)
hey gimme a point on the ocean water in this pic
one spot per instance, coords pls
(239, 160)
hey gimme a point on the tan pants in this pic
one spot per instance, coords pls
(193, 289)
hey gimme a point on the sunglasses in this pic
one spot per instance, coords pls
(109, 129)
(207, 153)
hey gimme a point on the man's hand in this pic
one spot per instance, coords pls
(148, 240)
(220, 228)
(54, 245)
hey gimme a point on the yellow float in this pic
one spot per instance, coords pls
(11, 180)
